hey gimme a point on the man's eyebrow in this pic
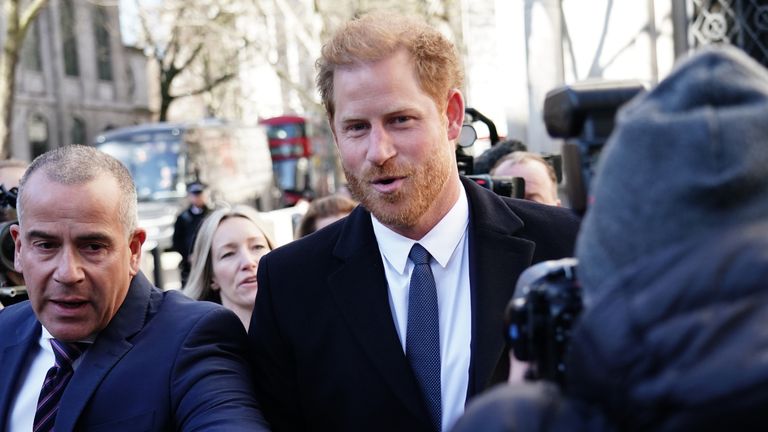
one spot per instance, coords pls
(41, 235)
(351, 119)
(394, 110)
(98, 237)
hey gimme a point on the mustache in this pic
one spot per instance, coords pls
(386, 170)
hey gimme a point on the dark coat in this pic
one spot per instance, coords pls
(164, 362)
(327, 355)
(185, 231)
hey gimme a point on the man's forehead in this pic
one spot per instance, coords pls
(43, 179)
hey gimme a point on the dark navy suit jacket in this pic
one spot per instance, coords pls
(164, 362)
(327, 354)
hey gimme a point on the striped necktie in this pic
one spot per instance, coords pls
(422, 341)
(55, 382)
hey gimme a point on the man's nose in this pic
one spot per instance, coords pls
(69, 269)
(381, 146)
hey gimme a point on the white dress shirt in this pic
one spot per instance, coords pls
(39, 360)
(447, 243)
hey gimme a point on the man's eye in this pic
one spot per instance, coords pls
(94, 247)
(357, 127)
(45, 245)
(401, 119)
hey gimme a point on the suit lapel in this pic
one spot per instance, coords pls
(14, 349)
(496, 259)
(360, 290)
(111, 345)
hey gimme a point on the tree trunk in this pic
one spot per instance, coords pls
(17, 22)
(7, 84)
(8, 75)
(165, 102)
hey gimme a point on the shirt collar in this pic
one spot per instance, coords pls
(46, 336)
(440, 241)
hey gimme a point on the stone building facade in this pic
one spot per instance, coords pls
(75, 79)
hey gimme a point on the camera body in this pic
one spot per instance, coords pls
(548, 297)
(513, 187)
(584, 114)
(540, 316)
(10, 290)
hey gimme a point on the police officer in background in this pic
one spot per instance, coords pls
(187, 224)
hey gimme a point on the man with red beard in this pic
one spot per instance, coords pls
(391, 318)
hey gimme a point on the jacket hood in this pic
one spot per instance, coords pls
(685, 160)
(679, 341)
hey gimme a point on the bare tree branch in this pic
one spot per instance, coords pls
(210, 86)
(29, 14)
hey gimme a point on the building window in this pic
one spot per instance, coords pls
(131, 82)
(78, 131)
(103, 47)
(69, 39)
(30, 51)
(37, 133)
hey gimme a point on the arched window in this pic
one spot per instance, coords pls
(37, 133)
(77, 134)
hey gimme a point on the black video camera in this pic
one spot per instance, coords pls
(583, 114)
(540, 316)
(548, 299)
(513, 187)
(10, 290)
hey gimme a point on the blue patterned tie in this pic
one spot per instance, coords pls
(422, 341)
(55, 382)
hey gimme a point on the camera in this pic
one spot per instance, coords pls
(12, 288)
(540, 316)
(548, 298)
(583, 114)
(513, 187)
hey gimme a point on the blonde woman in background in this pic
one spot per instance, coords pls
(225, 257)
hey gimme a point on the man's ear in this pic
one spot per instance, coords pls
(16, 235)
(454, 111)
(134, 243)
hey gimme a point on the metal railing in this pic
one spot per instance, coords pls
(743, 23)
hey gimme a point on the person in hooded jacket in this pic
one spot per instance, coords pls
(673, 259)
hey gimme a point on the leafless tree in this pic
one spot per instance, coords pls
(191, 40)
(18, 19)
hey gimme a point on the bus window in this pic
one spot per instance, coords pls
(152, 159)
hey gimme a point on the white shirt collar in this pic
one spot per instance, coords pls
(46, 336)
(440, 241)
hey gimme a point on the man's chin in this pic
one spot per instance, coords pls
(391, 214)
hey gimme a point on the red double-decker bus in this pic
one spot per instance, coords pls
(291, 149)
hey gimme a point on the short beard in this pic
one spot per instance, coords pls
(424, 184)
